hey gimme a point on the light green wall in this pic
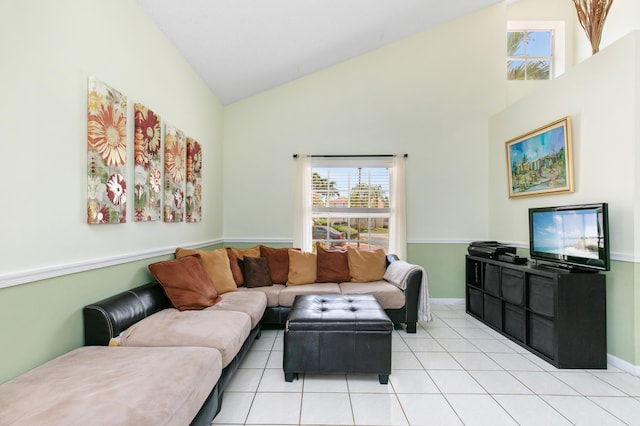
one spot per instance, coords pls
(624, 17)
(428, 96)
(413, 96)
(48, 49)
(623, 331)
(602, 98)
(43, 319)
(444, 264)
(543, 10)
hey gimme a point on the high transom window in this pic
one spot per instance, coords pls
(535, 50)
(529, 55)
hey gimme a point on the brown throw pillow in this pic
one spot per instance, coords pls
(256, 272)
(216, 263)
(332, 266)
(278, 261)
(366, 266)
(235, 268)
(302, 267)
(185, 282)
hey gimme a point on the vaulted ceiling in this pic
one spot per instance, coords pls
(244, 47)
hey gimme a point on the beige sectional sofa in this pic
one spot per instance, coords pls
(164, 352)
(405, 299)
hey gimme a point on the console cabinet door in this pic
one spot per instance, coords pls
(513, 286)
(492, 311)
(514, 321)
(542, 295)
(492, 280)
(541, 335)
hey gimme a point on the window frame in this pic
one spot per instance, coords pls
(352, 213)
(557, 29)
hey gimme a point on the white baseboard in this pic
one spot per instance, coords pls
(623, 365)
(445, 301)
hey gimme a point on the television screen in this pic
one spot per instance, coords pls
(572, 236)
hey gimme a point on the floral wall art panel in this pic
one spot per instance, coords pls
(148, 165)
(107, 154)
(174, 174)
(194, 181)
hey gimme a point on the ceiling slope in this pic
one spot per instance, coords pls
(244, 47)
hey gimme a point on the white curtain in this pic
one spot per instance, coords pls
(302, 210)
(398, 220)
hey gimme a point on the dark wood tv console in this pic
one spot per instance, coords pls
(559, 316)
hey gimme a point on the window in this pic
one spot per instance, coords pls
(350, 205)
(352, 202)
(535, 50)
(529, 55)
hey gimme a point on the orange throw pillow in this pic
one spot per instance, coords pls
(366, 266)
(302, 267)
(216, 264)
(241, 253)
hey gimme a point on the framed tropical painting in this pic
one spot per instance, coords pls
(540, 162)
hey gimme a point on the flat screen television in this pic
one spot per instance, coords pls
(571, 237)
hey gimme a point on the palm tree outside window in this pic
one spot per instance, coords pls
(530, 55)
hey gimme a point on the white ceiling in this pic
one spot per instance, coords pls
(244, 47)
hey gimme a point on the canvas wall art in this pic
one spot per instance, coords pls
(106, 154)
(194, 181)
(148, 165)
(541, 162)
(174, 174)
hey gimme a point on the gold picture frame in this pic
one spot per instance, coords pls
(540, 162)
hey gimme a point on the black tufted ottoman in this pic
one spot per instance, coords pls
(337, 333)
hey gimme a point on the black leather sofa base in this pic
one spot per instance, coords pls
(405, 317)
(337, 334)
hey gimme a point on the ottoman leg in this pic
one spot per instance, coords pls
(383, 378)
(411, 327)
(288, 377)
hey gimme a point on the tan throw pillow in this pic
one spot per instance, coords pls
(185, 282)
(332, 266)
(366, 266)
(302, 267)
(278, 261)
(241, 253)
(216, 264)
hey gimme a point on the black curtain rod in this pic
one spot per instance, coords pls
(352, 156)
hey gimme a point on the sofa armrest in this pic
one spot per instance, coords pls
(411, 295)
(109, 317)
(390, 258)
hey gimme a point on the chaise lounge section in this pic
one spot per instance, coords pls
(116, 386)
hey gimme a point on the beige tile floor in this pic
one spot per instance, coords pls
(453, 371)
